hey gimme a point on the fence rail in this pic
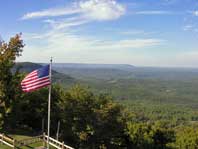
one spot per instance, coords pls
(57, 144)
(7, 140)
(42, 138)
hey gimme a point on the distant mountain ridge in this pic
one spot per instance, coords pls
(93, 66)
(124, 71)
(116, 71)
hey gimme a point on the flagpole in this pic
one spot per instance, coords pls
(49, 101)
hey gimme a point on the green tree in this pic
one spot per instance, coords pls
(31, 108)
(9, 85)
(148, 135)
(140, 135)
(187, 138)
(162, 134)
(91, 121)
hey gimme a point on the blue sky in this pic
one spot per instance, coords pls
(137, 32)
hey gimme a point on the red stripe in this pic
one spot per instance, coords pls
(33, 89)
(36, 87)
(34, 80)
(30, 86)
(35, 71)
(24, 87)
(31, 74)
(30, 79)
(35, 83)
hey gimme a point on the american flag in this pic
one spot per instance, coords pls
(36, 79)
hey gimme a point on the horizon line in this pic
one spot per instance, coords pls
(142, 66)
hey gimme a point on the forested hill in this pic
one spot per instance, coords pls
(57, 77)
(154, 85)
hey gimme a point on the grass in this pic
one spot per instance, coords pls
(4, 146)
(31, 146)
(22, 137)
(22, 134)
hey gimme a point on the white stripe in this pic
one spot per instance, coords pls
(33, 72)
(26, 82)
(30, 88)
(29, 79)
(30, 75)
(35, 83)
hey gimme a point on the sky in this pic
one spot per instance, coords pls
(138, 32)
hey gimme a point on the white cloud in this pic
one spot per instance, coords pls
(66, 23)
(67, 38)
(89, 9)
(188, 27)
(79, 13)
(102, 9)
(69, 47)
(169, 2)
(62, 42)
(153, 12)
(133, 32)
(130, 43)
(191, 27)
(136, 32)
(51, 13)
(195, 13)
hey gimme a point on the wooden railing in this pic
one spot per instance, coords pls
(57, 144)
(6, 140)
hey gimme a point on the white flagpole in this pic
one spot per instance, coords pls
(49, 102)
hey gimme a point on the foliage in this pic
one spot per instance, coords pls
(92, 121)
(9, 87)
(31, 108)
(187, 137)
(140, 135)
(147, 135)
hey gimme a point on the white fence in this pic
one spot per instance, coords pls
(57, 144)
(7, 140)
(42, 138)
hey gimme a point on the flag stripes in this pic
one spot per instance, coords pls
(33, 81)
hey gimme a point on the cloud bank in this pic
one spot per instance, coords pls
(61, 40)
(91, 9)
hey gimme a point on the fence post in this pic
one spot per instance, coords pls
(63, 145)
(2, 138)
(14, 144)
(44, 139)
